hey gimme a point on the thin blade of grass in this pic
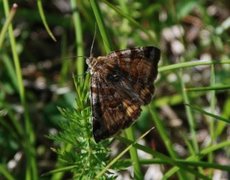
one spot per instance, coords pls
(202, 153)
(133, 154)
(191, 64)
(8, 21)
(163, 132)
(78, 38)
(121, 154)
(214, 87)
(10, 70)
(211, 121)
(165, 158)
(58, 170)
(5, 173)
(31, 168)
(189, 114)
(187, 163)
(101, 25)
(207, 113)
(221, 125)
(44, 21)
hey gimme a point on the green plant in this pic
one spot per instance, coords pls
(35, 79)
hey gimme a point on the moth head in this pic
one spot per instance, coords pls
(89, 61)
(93, 62)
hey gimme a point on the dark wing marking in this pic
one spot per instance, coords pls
(138, 68)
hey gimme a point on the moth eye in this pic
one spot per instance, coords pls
(113, 77)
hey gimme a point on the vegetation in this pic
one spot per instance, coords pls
(45, 114)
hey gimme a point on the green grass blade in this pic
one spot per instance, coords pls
(212, 87)
(134, 155)
(164, 158)
(101, 25)
(31, 169)
(202, 153)
(162, 131)
(207, 113)
(121, 154)
(44, 21)
(10, 70)
(78, 38)
(164, 135)
(60, 170)
(211, 121)
(191, 64)
(187, 163)
(221, 125)
(189, 114)
(8, 21)
(5, 174)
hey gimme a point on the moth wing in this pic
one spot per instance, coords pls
(138, 68)
(121, 82)
(111, 111)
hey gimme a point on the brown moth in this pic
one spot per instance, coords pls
(121, 83)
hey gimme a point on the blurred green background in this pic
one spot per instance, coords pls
(36, 77)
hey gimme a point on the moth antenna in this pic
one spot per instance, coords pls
(70, 57)
(94, 37)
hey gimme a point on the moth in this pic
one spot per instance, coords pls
(121, 82)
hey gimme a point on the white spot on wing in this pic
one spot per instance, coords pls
(126, 59)
(94, 98)
(126, 52)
